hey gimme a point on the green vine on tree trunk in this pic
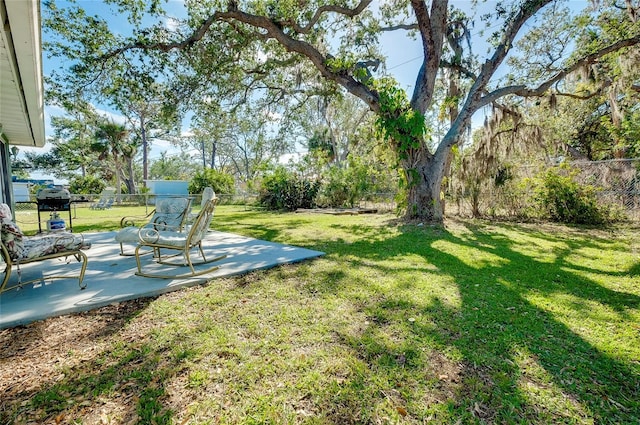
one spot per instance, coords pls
(397, 120)
(404, 127)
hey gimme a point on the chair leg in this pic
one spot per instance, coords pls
(78, 255)
(82, 257)
(188, 259)
(193, 272)
(6, 258)
(137, 254)
(7, 275)
(124, 254)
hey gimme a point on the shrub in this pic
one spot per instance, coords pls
(344, 186)
(220, 182)
(284, 190)
(564, 200)
(513, 199)
(86, 185)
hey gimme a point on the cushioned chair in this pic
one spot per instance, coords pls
(17, 250)
(158, 240)
(169, 214)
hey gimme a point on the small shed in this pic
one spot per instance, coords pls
(20, 191)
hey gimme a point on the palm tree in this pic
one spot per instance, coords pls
(112, 141)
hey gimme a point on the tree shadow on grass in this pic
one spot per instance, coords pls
(523, 358)
(569, 245)
(635, 270)
(238, 223)
(496, 353)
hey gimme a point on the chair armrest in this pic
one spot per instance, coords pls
(148, 234)
(169, 221)
(131, 220)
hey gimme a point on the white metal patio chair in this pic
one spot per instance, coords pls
(158, 240)
(169, 214)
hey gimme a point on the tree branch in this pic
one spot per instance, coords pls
(432, 25)
(272, 30)
(523, 91)
(197, 35)
(305, 49)
(474, 100)
(577, 96)
(407, 27)
(526, 11)
(326, 9)
(461, 69)
(629, 7)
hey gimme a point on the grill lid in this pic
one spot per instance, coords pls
(53, 193)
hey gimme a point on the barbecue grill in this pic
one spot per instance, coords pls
(53, 200)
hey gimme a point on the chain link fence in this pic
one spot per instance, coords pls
(618, 182)
(617, 185)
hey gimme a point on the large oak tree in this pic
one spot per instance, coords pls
(284, 48)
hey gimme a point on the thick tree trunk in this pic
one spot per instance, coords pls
(424, 196)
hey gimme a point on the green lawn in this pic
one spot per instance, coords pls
(83, 218)
(476, 322)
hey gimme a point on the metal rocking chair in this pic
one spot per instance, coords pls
(185, 242)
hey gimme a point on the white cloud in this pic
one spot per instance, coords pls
(261, 56)
(288, 158)
(171, 23)
(112, 116)
(161, 143)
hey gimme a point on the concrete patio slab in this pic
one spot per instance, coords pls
(110, 277)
